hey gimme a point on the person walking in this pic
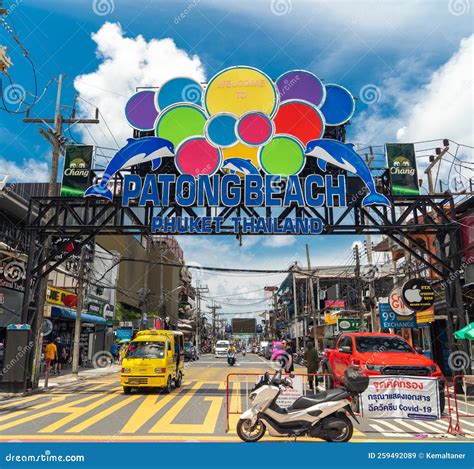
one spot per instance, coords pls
(60, 355)
(51, 353)
(115, 350)
(289, 366)
(312, 364)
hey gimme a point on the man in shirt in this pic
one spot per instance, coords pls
(51, 353)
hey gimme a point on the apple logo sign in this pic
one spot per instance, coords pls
(413, 295)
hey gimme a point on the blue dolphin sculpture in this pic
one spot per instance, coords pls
(344, 156)
(240, 165)
(136, 151)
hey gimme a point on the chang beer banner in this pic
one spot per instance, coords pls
(77, 170)
(402, 165)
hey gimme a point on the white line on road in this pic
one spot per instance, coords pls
(390, 434)
(392, 427)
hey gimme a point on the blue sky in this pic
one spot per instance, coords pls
(409, 52)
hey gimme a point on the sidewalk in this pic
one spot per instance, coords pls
(64, 380)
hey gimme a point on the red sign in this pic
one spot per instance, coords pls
(396, 303)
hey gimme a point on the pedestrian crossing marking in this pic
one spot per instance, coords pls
(18, 413)
(146, 411)
(101, 415)
(208, 426)
(74, 411)
(11, 402)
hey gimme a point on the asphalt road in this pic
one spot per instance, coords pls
(97, 410)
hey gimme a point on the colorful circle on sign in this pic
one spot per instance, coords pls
(242, 151)
(240, 90)
(179, 90)
(301, 84)
(196, 156)
(220, 130)
(140, 110)
(179, 122)
(255, 129)
(299, 119)
(339, 105)
(283, 156)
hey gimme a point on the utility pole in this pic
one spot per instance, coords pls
(433, 161)
(373, 317)
(146, 290)
(213, 309)
(81, 287)
(55, 137)
(199, 290)
(295, 309)
(311, 302)
(358, 289)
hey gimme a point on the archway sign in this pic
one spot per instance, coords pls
(244, 140)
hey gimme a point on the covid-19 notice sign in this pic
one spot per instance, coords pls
(401, 397)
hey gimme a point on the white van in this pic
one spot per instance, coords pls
(221, 347)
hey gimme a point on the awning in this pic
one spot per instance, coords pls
(66, 313)
(466, 332)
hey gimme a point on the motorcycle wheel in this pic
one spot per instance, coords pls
(247, 434)
(345, 434)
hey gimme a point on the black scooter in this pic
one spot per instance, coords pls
(231, 358)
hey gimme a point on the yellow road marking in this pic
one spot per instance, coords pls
(165, 425)
(75, 412)
(148, 408)
(53, 400)
(20, 401)
(174, 411)
(96, 418)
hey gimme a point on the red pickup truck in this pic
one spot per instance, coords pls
(378, 354)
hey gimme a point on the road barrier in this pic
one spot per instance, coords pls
(250, 379)
(455, 423)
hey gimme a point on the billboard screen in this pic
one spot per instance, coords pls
(244, 325)
(77, 172)
(402, 165)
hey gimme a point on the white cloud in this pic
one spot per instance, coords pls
(125, 64)
(279, 241)
(445, 106)
(24, 171)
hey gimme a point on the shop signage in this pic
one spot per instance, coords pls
(94, 308)
(77, 170)
(12, 275)
(351, 324)
(124, 334)
(126, 324)
(425, 317)
(402, 166)
(396, 303)
(418, 294)
(58, 297)
(281, 325)
(401, 397)
(246, 140)
(389, 319)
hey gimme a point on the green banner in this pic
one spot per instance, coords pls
(77, 174)
(350, 324)
(402, 165)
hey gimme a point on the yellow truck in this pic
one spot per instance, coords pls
(154, 359)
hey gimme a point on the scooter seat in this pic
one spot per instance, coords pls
(325, 396)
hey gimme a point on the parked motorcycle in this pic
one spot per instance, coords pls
(231, 357)
(322, 416)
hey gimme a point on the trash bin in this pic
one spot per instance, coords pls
(18, 347)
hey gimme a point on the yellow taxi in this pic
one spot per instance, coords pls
(154, 359)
